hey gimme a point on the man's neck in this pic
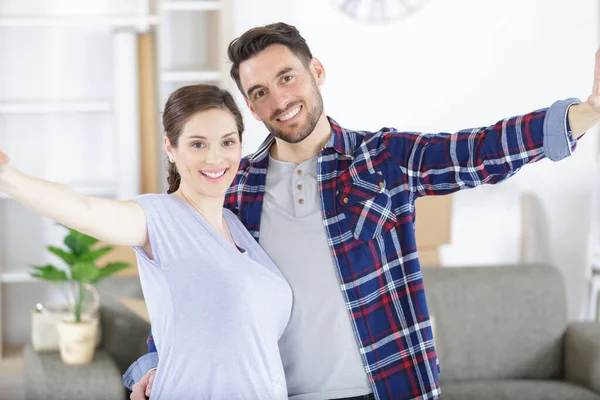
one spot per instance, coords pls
(299, 152)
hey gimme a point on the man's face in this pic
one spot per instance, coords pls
(283, 93)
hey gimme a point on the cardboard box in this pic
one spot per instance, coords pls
(433, 227)
(429, 256)
(434, 217)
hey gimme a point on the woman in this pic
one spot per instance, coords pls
(217, 302)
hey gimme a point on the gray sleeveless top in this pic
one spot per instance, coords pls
(217, 312)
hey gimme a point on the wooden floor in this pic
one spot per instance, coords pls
(12, 383)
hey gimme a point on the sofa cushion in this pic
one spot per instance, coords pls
(504, 322)
(515, 390)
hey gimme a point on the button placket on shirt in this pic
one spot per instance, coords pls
(299, 187)
(303, 189)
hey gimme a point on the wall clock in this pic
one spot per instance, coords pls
(375, 11)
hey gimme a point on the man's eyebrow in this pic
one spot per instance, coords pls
(279, 74)
(284, 71)
(252, 89)
(204, 137)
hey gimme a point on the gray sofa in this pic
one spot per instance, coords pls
(123, 341)
(501, 333)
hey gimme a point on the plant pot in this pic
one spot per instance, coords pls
(44, 326)
(77, 341)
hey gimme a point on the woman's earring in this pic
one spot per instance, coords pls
(170, 160)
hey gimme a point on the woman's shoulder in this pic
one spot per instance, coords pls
(158, 204)
(155, 198)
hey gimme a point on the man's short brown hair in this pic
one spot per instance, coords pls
(257, 39)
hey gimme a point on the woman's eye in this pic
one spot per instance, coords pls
(287, 78)
(229, 142)
(197, 145)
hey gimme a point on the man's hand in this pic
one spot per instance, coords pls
(584, 116)
(594, 98)
(142, 389)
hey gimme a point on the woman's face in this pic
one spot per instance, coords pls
(208, 152)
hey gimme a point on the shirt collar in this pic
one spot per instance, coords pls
(340, 141)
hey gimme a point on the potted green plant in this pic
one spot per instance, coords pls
(77, 334)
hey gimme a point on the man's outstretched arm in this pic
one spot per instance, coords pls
(443, 163)
(436, 164)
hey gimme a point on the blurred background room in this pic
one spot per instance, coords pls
(83, 83)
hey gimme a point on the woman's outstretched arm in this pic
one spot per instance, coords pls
(115, 222)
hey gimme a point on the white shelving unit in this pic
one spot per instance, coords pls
(202, 30)
(16, 277)
(53, 107)
(78, 21)
(191, 5)
(209, 19)
(191, 38)
(98, 189)
(190, 76)
(118, 108)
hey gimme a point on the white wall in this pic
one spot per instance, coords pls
(459, 64)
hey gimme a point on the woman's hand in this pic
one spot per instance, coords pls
(4, 159)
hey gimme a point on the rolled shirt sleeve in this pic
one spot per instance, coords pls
(139, 368)
(558, 139)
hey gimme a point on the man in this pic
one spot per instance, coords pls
(334, 208)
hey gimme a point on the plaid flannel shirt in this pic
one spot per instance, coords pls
(368, 183)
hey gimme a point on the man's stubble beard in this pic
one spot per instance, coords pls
(313, 119)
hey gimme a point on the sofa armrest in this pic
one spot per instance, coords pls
(48, 378)
(123, 333)
(582, 355)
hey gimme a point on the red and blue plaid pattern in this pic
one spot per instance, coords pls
(368, 183)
